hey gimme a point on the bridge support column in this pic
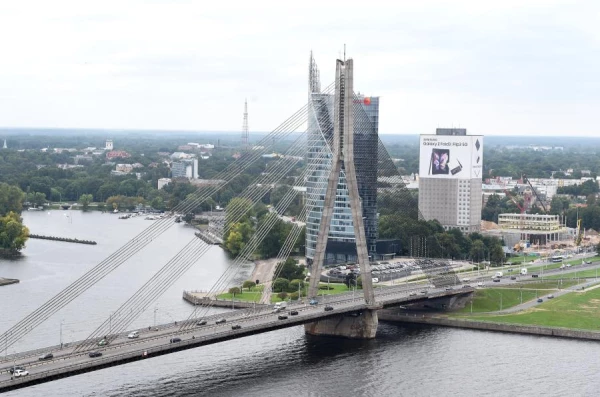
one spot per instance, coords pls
(363, 326)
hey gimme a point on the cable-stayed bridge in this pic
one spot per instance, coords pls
(334, 119)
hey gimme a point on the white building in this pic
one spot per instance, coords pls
(450, 170)
(109, 145)
(162, 182)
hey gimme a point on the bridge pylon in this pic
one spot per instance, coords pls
(364, 326)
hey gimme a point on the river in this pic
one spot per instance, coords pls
(401, 361)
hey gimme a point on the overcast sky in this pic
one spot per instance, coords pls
(493, 67)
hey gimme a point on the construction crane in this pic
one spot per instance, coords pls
(535, 192)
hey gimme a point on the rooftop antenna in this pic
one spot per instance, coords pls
(344, 52)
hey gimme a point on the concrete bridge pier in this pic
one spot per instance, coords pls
(359, 325)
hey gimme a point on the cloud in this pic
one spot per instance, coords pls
(494, 68)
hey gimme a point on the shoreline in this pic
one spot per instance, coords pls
(559, 332)
(8, 281)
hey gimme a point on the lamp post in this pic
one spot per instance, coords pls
(155, 310)
(61, 342)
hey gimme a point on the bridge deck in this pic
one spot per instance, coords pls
(153, 343)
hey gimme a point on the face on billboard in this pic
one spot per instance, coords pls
(456, 157)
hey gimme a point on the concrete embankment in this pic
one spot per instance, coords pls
(419, 318)
(199, 298)
(63, 239)
(7, 281)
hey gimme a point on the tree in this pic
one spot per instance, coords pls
(11, 199)
(13, 234)
(289, 270)
(282, 295)
(296, 285)
(497, 255)
(248, 284)
(281, 285)
(234, 291)
(477, 252)
(85, 200)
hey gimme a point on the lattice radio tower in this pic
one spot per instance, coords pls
(245, 126)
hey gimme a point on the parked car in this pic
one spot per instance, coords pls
(282, 317)
(513, 278)
(46, 356)
(175, 340)
(95, 354)
(294, 313)
(540, 300)
(201, 322)
(412, 294)
(328, 308)
(236, 326)
(449, 288)
(133, 335)
(20, 372)
(221, 321)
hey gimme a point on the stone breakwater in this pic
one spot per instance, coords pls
(63, 239)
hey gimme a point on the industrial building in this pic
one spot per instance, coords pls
(534, 229)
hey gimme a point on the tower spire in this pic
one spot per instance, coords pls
(314, 79)
(245, 134)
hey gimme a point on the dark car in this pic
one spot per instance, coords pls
(513, 278)
(424, 292)
(15, 368)
(294, 313)
(466, 286)
(282, 317)
(221, 321)
(95, 354)
(540, 300)
(201, 322)
(449, 288)
(236, 326)
(175, 340)
(534, 275)
(314, 302)
(46, 356)
(496, 280)
(328, 308)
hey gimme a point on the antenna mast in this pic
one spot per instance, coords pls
(245, 127)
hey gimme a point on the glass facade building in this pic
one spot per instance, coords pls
(341, 245)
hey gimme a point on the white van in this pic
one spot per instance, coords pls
(133, 335)
(523, 271)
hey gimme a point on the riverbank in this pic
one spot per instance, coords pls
(414, 318)
(8, 281)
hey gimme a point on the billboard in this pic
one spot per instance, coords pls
(451, 156)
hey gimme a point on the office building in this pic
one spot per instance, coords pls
(185, 168)
(341, 246)
(450, 170)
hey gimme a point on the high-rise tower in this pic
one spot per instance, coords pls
(5, 147)
(245, 134)
(341, 246)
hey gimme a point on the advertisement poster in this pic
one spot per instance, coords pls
(451, 156)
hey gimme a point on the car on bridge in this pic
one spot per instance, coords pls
(175, 340)
(282, 317)
(540, 300)
(201, 322)
(236, 326)
(46, 356)
(95, 354)
(15, 368)
(328, 308)
(550, 296)
(294, 313)
(103, 342)
(133, 335)
(412, 294)
(314, 302)
(221, 321)
(20, 372)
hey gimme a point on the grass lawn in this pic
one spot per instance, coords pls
(544, 284)
(580, 310)
(255, 294)
(591, 273)
(488, 300)
(246, 296)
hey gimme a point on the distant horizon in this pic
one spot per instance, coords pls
(259, 133)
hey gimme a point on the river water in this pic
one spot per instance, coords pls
(401, 361)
